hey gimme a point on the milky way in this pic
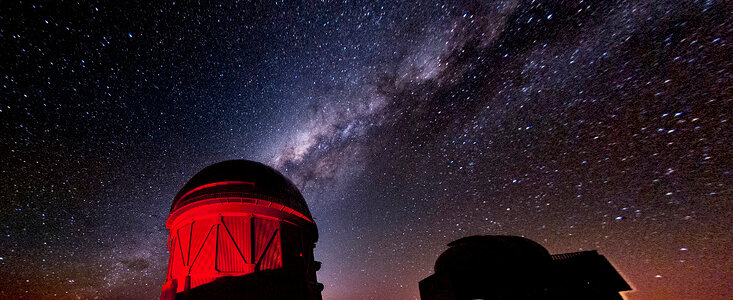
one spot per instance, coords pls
(579, 124)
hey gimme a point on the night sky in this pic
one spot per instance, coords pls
(579, 124)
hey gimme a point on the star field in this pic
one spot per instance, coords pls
(579, 124)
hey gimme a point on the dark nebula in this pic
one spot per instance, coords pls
(578, 124)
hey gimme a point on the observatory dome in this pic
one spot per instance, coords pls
(239, 229)
(491, 252)
(243, 178)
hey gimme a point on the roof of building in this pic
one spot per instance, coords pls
(252, 177)
(491, 251)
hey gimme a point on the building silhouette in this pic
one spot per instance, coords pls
(511, 267)
(240, 229)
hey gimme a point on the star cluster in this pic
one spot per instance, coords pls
(579, 124)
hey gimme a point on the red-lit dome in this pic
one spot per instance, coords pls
(241, 230)
(244, 177)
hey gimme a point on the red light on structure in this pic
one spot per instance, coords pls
(235, 229)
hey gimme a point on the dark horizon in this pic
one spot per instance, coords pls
(582, 125)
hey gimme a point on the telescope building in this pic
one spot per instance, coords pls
(240, 229)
